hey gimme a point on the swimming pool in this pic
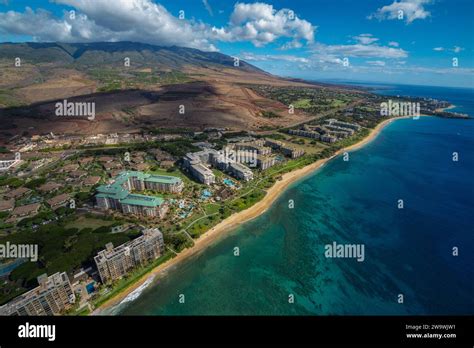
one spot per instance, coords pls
(206, 194)
(229, 182)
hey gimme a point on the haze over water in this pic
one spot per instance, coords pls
(407, 251)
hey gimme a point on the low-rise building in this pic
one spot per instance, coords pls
(85, 160)
(224, 193)
(59, 201)
(69, 168)
(91, 180)
(305, 133)
(166, 164)
(241, 139)
(49, 187)
(335, 122)
(26, 210)
(77, 174)
(53, 296)
(8, 164)
(114, 263)
(339, 131)
(7, 205)
(141, 167)
(105, 159)
(111, 165)
(17, 193)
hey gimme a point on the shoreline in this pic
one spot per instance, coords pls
(239, 218)
(452, 106)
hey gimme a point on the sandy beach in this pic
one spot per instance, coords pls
(238, 218)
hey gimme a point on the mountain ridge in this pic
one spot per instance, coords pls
(86, 54)
(146, 94)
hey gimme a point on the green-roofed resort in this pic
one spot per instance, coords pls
(118, 196)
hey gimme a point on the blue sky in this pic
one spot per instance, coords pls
(399, 41)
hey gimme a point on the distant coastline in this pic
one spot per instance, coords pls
(239, 218)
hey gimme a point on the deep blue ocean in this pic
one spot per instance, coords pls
(408, 251)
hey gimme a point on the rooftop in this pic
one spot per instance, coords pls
(117, 190)
(142, 200)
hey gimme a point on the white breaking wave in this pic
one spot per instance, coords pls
(138, 291)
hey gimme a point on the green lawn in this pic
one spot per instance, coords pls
(302, 103)
(85, 222)
(211, 208)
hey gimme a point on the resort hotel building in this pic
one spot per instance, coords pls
(114, 263)
(197, 163)
(289, 151)
(52, 296)
(329, 132)
(118, 196)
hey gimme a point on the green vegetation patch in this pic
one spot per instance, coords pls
(302, 103)
(86, 222)
(61, 249)
(9, 99)
(269, 114)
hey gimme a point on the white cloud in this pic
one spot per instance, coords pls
(327, 57)
(291, 45)
(393, 44)
(261, 24)
(361, 51)
(100, 20)
(376, 62)
(455, 49)
(271, 57)
(150, 22)
(208, 7)
(365, 39)
(408, 10)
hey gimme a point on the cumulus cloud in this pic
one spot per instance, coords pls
(393, 43)
(261, 24)
(150, 22)
(120, 20)
(408, 10)
(291, 45)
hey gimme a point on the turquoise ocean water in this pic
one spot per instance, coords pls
(407, 251)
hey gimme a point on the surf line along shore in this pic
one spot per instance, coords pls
(239, 218)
